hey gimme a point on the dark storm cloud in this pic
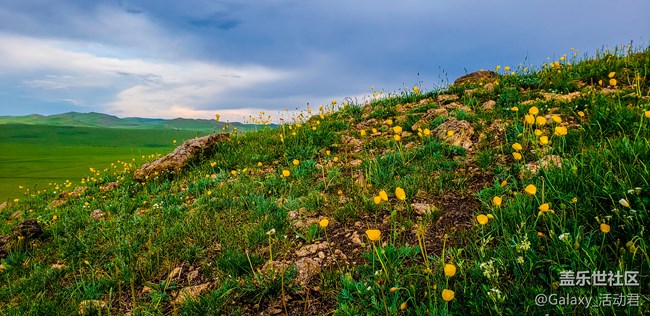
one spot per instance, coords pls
(277, 53)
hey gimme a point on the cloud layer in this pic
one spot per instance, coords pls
(197, 58)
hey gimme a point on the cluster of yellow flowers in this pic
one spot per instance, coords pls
(612, 80)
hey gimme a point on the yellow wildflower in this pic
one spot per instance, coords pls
(533, 110)
(334, 102)
(286, 173)
(450, 133)
(426, 131)
(259, 163)
(383, 195)
(397, 129)
(377, 199)
(556, 119)
(611, 74)
(543, 140)
(531, 189)
(581, 114)
(538, 132)
(544, 207)
(541, 121)
(647, 114)
(403, 305)
(612, 82)
(389, 122)
(296, 162)
(397, 137)
(605, 228)
(560, 130)
(450, 270)
(529, 119)
(416, 90)
(447, 295)
(324, 222)
(496, 201)
(399, 192)
(373, 234)
(514, 109)
(336, 159)
(482, 219)
(362, 132)
(234, 172)
(517, 156)
(517, 146)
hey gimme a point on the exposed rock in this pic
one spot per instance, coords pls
(458, 106)
(97, 214)
(561, 97)
(351, 141)
(108, 186)
(422, 208)
(462, 132)
(477, 76)
(181, 156)
(176, 273)
(355, 163)
(446, 98)
(56, 203)
(356, 239)
(307, 269)
(78, 191)
(490, 86)
(367, 124)
(544, 163)
(190, 292)
(431, 113)
(89, 306)
(27, 231)
(57, 265)
(489, 105)
(192, 275)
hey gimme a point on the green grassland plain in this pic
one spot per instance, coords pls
(32, 156)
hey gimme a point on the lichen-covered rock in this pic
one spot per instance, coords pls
(457, 133)
(477, 76)
(181, 156)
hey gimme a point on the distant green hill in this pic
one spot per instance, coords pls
(93, 119)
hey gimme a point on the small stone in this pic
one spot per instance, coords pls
(190, 292)
(97, 214)
(355, 163)
(88, 306)
(321, 255)
(56, 203)
(356, 239)
(192, 275)
(57, 265)
(422, 208)
(175, 273)
(489, 105)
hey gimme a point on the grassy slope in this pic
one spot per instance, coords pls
(215, 220)
(35, 155)
(74, 119)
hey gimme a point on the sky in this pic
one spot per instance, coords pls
(197, 58)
